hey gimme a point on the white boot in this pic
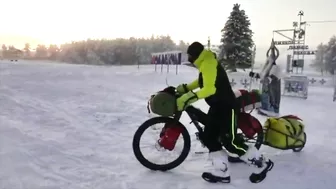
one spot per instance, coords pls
(219, 169)
(254, 158)
(263, 165)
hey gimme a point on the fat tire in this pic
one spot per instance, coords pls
(152, 166)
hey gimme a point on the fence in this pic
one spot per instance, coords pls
(167, 58)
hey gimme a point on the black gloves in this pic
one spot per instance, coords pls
(182, 89)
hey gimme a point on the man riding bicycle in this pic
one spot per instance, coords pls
(220, 128)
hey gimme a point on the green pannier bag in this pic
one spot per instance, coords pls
(163, 104)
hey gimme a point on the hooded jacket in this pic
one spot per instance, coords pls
(213, 81)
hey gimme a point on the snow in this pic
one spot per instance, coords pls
(66, 126)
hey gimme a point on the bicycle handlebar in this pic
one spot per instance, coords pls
(172, 91)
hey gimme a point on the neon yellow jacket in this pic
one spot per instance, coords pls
(207, 66)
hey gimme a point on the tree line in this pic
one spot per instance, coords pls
(103, 51)
(235, 51)
(325, 57)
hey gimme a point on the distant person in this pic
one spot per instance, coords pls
(270, 77)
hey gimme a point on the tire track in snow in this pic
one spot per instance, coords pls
(38, 162)
(80, 160)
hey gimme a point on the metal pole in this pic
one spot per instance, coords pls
(277, 31)
(304, 43)
(322, 21)
(298, 56)
(293, 50)
(168, 61)
(179, 61)
(162, 63)
(155, 63)
(253, 58)
(283, 35)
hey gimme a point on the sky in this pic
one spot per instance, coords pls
(57, 22)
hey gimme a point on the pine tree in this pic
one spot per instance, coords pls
(325, 57)
(319, 62)
(236, 44)
(330, 56)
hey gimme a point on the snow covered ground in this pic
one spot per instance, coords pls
(71, 126)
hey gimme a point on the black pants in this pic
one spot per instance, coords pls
(220, 129)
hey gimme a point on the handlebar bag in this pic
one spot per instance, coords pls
(163, 104)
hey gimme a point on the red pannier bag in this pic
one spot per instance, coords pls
(248, 124)
(248, 100)
(170, 136)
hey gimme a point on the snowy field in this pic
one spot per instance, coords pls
(71, 126)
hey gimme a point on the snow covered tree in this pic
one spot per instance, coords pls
(41, 51)
(53, 50)
(4, 51)
(330, 56)
(236, 44)
(27, 49)
(319, 62)
(325, 56)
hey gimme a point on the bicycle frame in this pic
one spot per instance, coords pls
(197, 116)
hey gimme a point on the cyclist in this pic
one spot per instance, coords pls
(220, 129)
